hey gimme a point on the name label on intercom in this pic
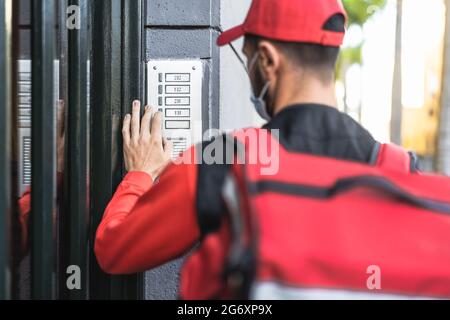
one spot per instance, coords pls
(174, 87)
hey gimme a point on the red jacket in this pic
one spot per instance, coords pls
(146, 224)
(24, 216)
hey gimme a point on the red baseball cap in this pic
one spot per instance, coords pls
(290, 21)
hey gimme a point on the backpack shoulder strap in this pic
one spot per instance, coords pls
(393, 157)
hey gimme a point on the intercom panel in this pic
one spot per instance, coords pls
(24, 120)
(174, 87)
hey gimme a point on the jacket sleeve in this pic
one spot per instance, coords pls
(24, 217)
(147, 225)
(24, 206)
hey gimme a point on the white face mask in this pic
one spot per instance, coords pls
(258, 101)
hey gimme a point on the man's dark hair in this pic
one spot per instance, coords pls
(315, 57)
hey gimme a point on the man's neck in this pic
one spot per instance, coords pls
(311, 91)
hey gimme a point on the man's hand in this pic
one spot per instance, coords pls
(145, 151)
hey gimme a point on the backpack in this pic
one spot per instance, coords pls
(323, 228)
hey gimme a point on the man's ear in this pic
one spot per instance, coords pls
(270, 60)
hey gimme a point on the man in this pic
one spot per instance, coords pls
(292, 47)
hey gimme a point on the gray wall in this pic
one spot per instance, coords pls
(236, 110)
(443, 159)
(189, 29)
(177, 29)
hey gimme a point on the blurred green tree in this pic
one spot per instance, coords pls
(359, 12)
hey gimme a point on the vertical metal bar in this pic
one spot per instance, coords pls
(132, 88)
(105, 125)
(5, 147)
(16, 230)
(43, 197)
(116, 81)
(63, 227)
(77, 208)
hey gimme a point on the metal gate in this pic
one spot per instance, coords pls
(68, 72)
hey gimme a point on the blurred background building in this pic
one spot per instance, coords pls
(392, 75)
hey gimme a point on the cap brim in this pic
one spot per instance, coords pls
(229, 36)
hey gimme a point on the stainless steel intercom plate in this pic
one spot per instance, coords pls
(24, 120)
(174, 87)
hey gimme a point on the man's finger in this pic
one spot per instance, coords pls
(146, 120)
(60, 118)
(156, 127)
(126, 129)
(135, 120)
